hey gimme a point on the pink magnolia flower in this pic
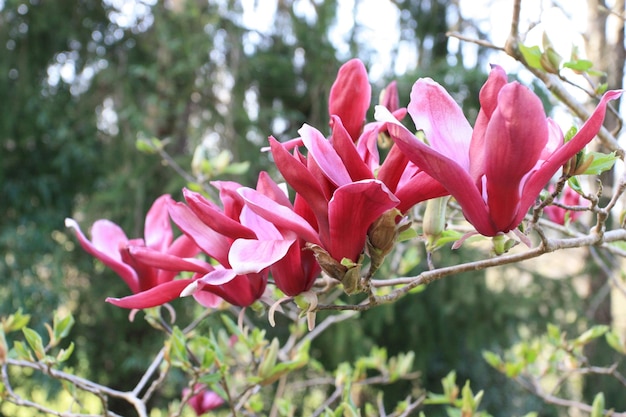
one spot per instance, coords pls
(496, 171)
(296, 270)
(338, 207)
(148, 265)
(214, 230)
(203, 400)
(557, 214)
(350, 95)
(357, 146)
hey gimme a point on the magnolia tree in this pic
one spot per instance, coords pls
(290, 247)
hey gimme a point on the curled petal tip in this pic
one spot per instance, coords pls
(189, 289)
(71, 223)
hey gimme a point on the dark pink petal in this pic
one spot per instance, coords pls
(436, 113)
(296, 272)
(350, 96)
(344, 146)
(110, 238)
(158, 229)
(447, 172)
(541, 177)
(182, 247)
(420, 187)
(160, 260)
(367, 146)
(204, 400)
(211, 242)
(242, 290)
(230, 199)
(352, 210)
(248, 255)
(393, 168)
(268, 187)
(390, 97)
(282, 217)
(488, 100)
(153, 297)
(300, 178)
(326, 157)
(515, 138)
(212, 216)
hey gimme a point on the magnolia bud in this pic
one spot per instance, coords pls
(383, 234)
(578, 164)
(434, 220)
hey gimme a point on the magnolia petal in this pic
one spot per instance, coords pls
(296, 271)
(393, 168)
(420, 187)
(153, 297)
(109, 236)
(345, 148)
(447, 172)
(211, 215)
(352, 210)
(168, 262)
(158, 229)
(540, 178)
(267, 186)
(207, 299)
(211, 242)
(248, 255)
(367, 146)
(436, 113)
(350, 96)
(216, 277)
(326, 157)
(488, 100)
(514, 140)
(282, 217)
(241, 290)
(302, 181)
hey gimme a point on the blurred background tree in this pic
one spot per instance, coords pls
(83, 81)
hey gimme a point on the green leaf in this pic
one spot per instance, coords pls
(178, 348)
(591, 334)
(237, 168)
(554, 334)
(493, 359)
(597, 408)
(15, 322)
(581, 65)
(62, 326)
(532, 56)
(22, 351)
(575, 185)
(613, 340)
(34, 341)
(407, 234)
(601, 162)
(64, 354)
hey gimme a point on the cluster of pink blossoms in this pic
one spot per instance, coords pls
(347, 202)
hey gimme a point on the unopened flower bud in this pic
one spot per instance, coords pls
(383, 234)
(434, 220)
(550, 59)
(578, 164)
